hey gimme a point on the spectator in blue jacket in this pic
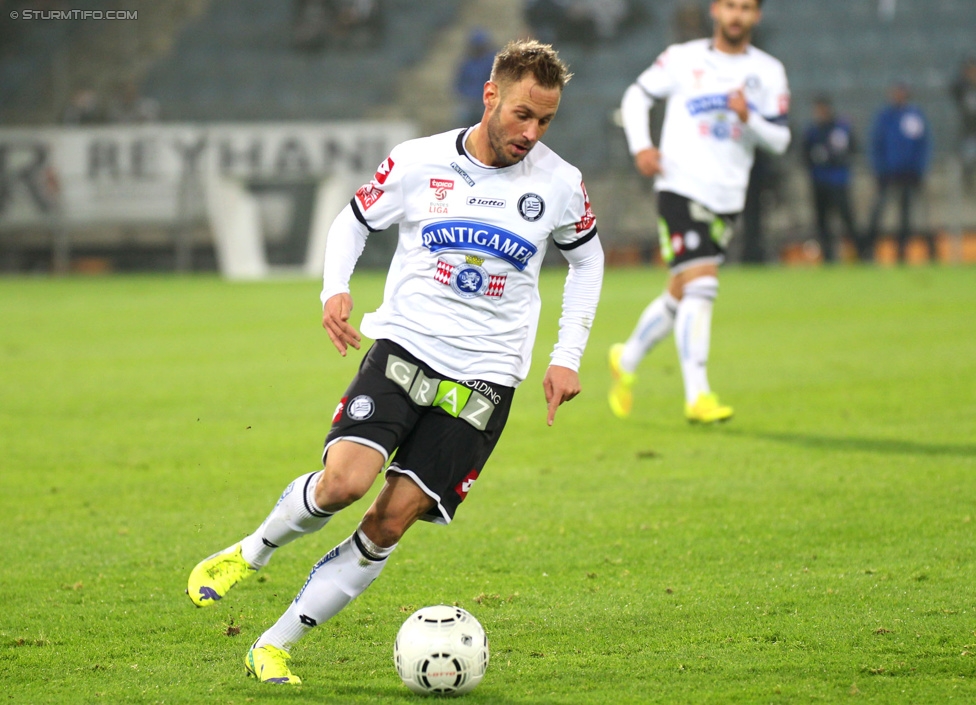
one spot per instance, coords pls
(901, 146)
(828, 147)
(473, 72)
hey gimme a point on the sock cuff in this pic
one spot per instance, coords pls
(308, 493)
(670, 303)
(371, 551)
(702, 288)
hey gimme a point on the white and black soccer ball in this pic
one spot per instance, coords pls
(441, 650)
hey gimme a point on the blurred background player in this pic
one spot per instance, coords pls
(901, 147)
(453, 335)
(828, 148)
(725, 99)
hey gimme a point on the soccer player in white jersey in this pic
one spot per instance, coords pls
(453, 338)
(725, 99)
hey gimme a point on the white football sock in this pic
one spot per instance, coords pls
(295, 514)
(693, 333)
(335, 581)
(654, 324)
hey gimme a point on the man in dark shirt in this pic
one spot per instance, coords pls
(828, 147)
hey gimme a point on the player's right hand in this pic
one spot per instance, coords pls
(648, 162)
(335, 320)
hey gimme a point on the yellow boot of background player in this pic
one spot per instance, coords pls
(707, 409)
(621, 395)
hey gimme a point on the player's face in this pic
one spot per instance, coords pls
(519, 114)
(734, 19)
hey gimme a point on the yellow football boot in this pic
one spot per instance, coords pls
(707, 409)
(267, 664)
(213, 577)
(621, 395)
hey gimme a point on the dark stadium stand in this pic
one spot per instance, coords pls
(238, 62)
(852, 54)
(28, 55)
(845, 51)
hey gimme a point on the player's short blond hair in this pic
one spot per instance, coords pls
(528, 56)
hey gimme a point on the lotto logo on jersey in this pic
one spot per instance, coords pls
(384, 171)
(367, 195)
(441, 187)
(465, 485)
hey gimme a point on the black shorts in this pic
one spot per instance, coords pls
(441, 429)
(690, 233)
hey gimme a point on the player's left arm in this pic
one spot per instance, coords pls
(768, 122)
(580, 245)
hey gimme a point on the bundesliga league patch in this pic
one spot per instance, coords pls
(470, 279)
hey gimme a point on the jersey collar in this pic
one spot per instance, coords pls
(463, 151)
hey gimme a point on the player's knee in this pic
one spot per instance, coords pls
(337, 488)
(384, 529)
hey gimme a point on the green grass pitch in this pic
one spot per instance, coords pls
(820, 547)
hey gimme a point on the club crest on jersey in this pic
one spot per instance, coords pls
(471, 236)
(360, 408)
(441, 187)
(721, 128)
(469, 280)
(531, 207)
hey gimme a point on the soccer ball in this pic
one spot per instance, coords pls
(442, 650)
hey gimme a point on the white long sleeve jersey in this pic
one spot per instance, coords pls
(706, 151)
(462, 290)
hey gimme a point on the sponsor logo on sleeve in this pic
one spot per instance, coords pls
(474, 237)
(588, 219)
(367, 195)
(531, 207)
(383, 171)
(784, 104)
